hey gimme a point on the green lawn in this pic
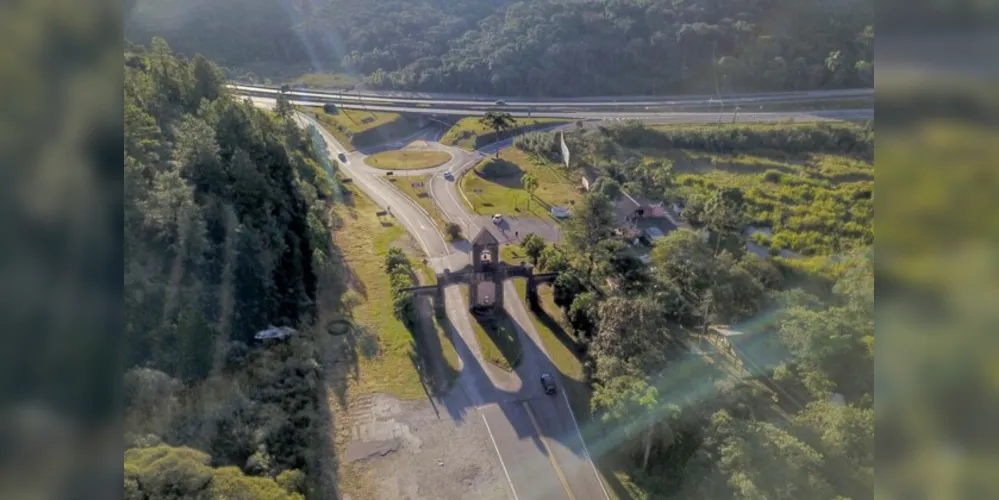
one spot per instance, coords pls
(358, 128)
(501, 190)
(468, 133)
(363, 238)
(498, 339)
(420, 195)
(407, 159)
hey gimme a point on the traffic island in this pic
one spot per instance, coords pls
(408, 159)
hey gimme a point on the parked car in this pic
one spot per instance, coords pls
(548, 383)
(560, 212)
(497, 219)
(652, 234)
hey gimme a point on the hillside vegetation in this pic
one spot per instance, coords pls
(537, 48)
(810, 184)
(226, 234)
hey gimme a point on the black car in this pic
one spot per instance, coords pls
(548, 383)
(342, 157)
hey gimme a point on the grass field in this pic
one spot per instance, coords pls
(420, 196)
(502, 192)
(347, 124)
(498, 340)
(386, 364)
(465, 132)
(814, 204)
(407, 159)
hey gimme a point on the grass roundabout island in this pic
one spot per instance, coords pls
(407, 159)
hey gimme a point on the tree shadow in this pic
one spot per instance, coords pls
(500, 328)
(541, 312)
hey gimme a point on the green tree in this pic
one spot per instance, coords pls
(567, 286)
(592, 223)
(762, 460)
(725, 214)
(533, 245)
(530, 184)
(165, 472)
(283, 106)
(453, 231)
(582, 314)
(553, 260)
(608, 187)
(498, 122)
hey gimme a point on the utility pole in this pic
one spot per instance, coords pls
(735, 113)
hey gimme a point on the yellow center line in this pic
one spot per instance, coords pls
(548, 451)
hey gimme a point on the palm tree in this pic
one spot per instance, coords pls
(498, 122)
(530, 183)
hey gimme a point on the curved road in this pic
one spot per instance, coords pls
(536, 437)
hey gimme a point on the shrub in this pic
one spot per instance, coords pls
(772, 176)
(453, 231)
(396, 259)
(497, 167)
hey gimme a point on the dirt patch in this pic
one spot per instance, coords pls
(427, 455)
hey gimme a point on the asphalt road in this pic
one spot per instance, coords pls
(535, 435)
(473, 100)
(651, 116)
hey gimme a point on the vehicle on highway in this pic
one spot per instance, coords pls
(448, 175)
(342, 157)
(497, 219)
(548, 383)
(500, 103)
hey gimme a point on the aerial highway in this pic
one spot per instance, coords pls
(415, 99)
(829, 101)
(536, 437)
(745, 113)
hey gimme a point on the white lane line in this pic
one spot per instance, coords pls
(505, 472)
(373, 193)
(585, 451)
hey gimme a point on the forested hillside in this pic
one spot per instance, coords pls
(225, 235)
(544, 47)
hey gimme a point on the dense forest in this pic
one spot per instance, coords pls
(537, 48)
(797, 421)
(225, 235)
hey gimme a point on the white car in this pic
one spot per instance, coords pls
(560, 212)
(497, 219)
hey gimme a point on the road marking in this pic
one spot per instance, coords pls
(548, 451)
(373, 193)
(586, 452)
(505, 472)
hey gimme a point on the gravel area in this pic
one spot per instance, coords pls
(409, 451)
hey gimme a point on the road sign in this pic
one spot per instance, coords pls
(417, 185)
(565, 149)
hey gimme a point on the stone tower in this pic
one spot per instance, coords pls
(485, 291)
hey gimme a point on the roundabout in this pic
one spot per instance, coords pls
(408, 159)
